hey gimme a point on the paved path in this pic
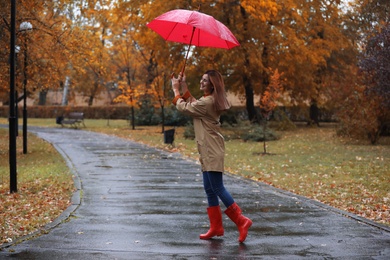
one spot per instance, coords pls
(135, 202)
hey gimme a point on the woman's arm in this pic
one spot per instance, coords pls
(180, 82)
(184, 89)
(193, 109)
(183, 84)
(175, 86)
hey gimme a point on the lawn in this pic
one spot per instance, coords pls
(45, 186)
(309, 161)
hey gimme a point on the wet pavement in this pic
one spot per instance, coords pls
(136, 202)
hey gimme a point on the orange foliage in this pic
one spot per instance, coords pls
(95, 42)
(361, 115)
(268, 101)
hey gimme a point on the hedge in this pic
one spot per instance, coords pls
(147, 115)
(106, 112)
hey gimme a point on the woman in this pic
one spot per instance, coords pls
(205, 113)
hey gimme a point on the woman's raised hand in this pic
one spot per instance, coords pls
(183, 84)
(175, 85)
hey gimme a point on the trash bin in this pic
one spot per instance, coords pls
(169, 136)
(59, 119)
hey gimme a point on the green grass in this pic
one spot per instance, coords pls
(312, 162)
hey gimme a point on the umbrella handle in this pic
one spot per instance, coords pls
(173, 75)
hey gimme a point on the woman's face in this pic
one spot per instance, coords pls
(205, 84)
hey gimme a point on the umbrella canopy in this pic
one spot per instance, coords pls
(193, 28)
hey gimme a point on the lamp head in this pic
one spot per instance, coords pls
(25, 26)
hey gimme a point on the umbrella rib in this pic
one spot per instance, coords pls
(171, 31)
(198, 43)
(192, 34)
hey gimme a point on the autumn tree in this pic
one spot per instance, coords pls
(153, 59)
(100, 45)
(244, 67)
(47, 62)
(305, 41)
(50, 43)
(129, 94)
(26, 43)
(370, 16)
(91, 73)
(365, 110)
(314, 51)
(123, 56)
(375, 65)
(359, 117)
(373, 21)
(268, 101)
(4, 48)
(135, 64)
(158, 88)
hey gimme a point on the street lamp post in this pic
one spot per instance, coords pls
(12, 117)
(17, 51)
(25, 27)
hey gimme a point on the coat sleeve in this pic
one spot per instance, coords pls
(188, 97)
(194, 109)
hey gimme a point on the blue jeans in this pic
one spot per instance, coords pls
(214, 188)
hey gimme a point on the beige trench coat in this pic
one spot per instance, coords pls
(210, 142)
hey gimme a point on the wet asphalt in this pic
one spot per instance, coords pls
(137, 202)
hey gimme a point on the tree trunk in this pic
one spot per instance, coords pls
(162, 119)
(93, 94)
(249, 96)
(66, 91)
(132, 117)
(90, 100)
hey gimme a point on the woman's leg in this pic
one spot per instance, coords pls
(215, 183)
(233, 210)
(212, 197)
(213, 211)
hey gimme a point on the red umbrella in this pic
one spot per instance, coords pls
(193, 28)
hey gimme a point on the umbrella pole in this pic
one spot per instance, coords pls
(189, 46)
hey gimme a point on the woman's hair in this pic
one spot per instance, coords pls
(220, 101)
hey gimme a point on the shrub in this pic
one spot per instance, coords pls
(189, 132)
(174, 117)
(362, 116)
(256, 134)
(281, 120)
(146, 114)
(229, 117)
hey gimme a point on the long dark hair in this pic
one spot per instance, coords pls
(220, 101)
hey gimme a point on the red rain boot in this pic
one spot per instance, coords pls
(216, 228)
(243, 223)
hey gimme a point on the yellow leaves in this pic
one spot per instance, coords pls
(42, 195)
(129, 94)
(27, 210)
(272, 93)
(262, 10)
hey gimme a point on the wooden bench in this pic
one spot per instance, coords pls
(74, 119)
